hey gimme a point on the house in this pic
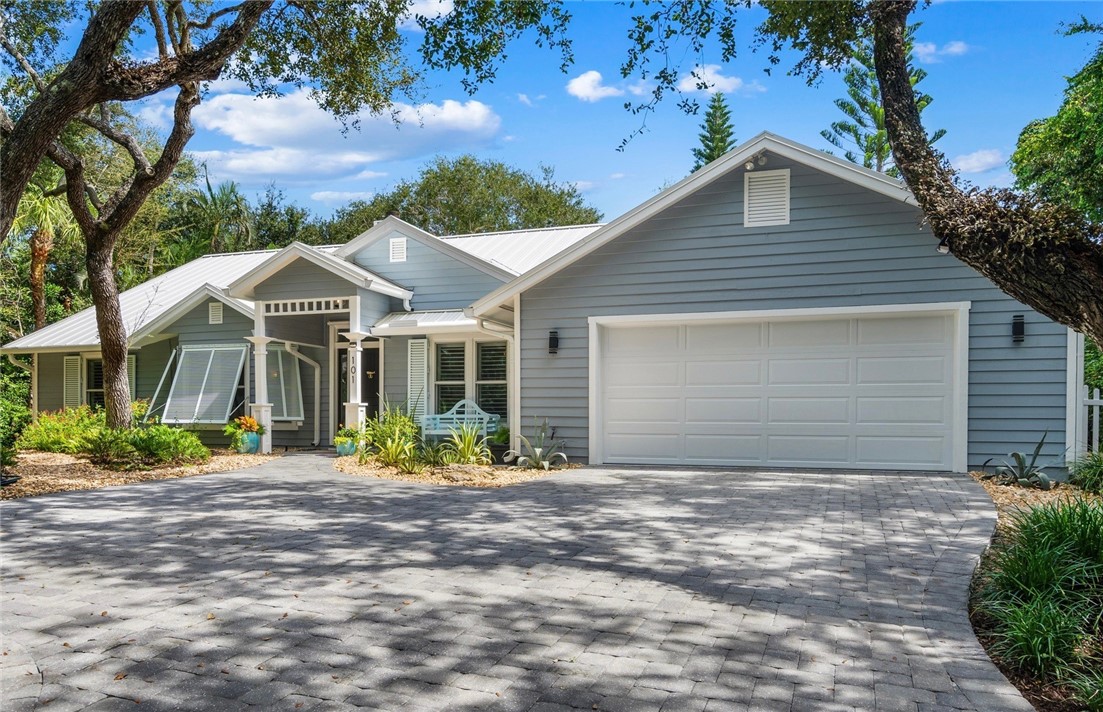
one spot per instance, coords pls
(778, 308)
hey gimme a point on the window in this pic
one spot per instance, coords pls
(205, 384)
(476, 370)
(451, 384)
(93, 393)
(285, 387)
(490, 378)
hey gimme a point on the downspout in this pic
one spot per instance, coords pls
(34, 385)
(293, 349)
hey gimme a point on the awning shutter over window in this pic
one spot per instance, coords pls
(205, 384)
(285, 389)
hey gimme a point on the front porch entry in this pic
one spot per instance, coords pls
(371, 376)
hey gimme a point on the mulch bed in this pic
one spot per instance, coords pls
(454, 475)
(47, 472)
(1009, 499)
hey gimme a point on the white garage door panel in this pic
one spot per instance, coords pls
(864, 392)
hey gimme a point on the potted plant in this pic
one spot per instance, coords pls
(244, 434)
(498, 443)
(345, 441)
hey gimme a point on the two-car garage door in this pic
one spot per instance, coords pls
(864, 391)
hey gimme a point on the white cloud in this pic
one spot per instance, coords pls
(616, 176)
(712, 76)
(641, 88)
(931, 53)
(291, 137)
(524, 99)
(431, 9)
(979, 161)
(584, 185)
(334, 197)
(588, 87)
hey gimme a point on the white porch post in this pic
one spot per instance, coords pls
(262, 408)
(355, 408)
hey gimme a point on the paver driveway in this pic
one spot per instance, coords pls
(290, 586)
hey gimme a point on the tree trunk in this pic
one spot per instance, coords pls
(99, 260)
(1041, 254)
(42, 242)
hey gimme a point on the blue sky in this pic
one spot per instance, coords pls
(992, 68)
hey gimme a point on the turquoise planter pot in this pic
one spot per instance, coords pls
(348, 448)
(250, 443)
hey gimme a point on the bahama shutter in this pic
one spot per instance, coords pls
(205, 383)
(418, 383)
(71, 377)
(285, 391)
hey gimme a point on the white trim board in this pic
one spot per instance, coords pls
(960, 366)
(1074, 386)
(243, 286)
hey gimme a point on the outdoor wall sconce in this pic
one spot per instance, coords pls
(943, 247)
(1018, 329)
(553, 342)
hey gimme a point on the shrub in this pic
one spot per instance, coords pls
(1022, 572)
(15, 389)
(107, 446)
(62, 431)
(1088, 686)
(393, 434)
(1076, 522)
(1039, 636)
(159, 444)
(1087, 473)
(467, 446)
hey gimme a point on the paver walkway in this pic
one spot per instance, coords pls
(292, 587)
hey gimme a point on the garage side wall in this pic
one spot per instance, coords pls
(845, 246)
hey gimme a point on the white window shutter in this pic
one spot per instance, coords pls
(285, 391)
(766, 198)
(71, 375)
(417, 389)
(131, 375)
(398, 249)
(214, 313)
(205, 384)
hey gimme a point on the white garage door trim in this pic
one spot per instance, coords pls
(958, 310)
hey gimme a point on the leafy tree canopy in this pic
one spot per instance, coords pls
(1061, 157)
(465, 195)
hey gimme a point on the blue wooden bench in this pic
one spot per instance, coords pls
(466, 412)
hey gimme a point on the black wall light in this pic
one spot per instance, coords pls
(1018, 329)
(553, 342)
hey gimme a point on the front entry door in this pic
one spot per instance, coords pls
(369, 380)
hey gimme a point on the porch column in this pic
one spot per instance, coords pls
(355, 408)
(261, 409)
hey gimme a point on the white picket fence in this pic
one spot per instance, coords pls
(1090, 424)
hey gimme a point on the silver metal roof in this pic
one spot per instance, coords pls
(144, 303)
(424, 319)
(520, 250)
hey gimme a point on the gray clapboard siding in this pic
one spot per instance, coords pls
(395, 376)
(303, 329)
(844, 246)
(301, 280)
(438, 281)
(149, 362)
(194, 327)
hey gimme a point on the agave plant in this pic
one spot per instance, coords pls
(541, 452)
(467, 445)
(1023, 472)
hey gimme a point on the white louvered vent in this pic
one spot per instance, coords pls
(766, 198)
(398, 249)
(214, 312)
(132, 375)
(71, 377)
(417, 388)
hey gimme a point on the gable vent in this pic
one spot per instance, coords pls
(766, 198)
(398, 249)
(214, 312)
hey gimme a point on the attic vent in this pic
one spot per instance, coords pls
(398, 249)
(214, 312)
(766, 198)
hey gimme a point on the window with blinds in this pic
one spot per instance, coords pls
(490, 378)
(450, 382)
(87, 387)
(206, 382)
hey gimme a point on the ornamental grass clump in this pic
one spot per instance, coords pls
(1041, 596)
(1087, 473)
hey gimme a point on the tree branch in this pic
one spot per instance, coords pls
(11, 49)
(206, 24)
(158, 29)
(125, 140)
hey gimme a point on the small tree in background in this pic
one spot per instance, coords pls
(862, 135)
(717, 136)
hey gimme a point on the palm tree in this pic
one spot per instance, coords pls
(48, 218)
(221, 218)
